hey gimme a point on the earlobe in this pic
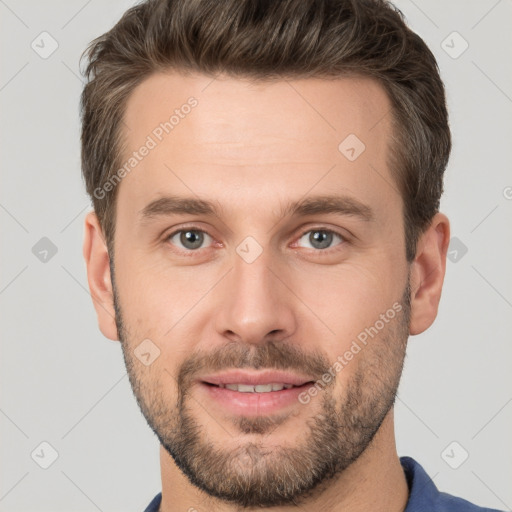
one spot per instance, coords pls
(427, 274)
(96, 257)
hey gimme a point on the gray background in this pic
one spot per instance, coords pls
(63, 383)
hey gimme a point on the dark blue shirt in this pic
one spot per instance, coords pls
(423, 494)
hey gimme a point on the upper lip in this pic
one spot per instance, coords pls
(256, 378)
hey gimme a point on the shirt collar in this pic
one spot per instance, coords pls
(422, 490)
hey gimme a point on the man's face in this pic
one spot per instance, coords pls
(257, 287)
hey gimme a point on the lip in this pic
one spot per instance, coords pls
(255, 378)
(253, 404)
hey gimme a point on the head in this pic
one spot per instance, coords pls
(220, 138)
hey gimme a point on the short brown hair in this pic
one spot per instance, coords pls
(269, 40)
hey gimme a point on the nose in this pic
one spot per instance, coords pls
(255, 302)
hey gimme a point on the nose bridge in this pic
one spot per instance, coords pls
(252, 277)
(255, 302)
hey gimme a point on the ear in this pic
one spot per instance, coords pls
(427, 273)
(98, 276)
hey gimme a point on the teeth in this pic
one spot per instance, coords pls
(260, 388)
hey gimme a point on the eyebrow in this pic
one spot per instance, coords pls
(312, 205)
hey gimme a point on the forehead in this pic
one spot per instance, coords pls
(233, 110)
(210, 137)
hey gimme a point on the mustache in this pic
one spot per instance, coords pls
(271, 355)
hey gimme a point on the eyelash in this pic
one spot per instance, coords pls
(191, 252)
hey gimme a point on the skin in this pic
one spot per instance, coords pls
(251, 148)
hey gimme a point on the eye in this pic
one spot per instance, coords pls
(190, 239)
(321, 238)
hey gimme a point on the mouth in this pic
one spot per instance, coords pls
(259, 388)
(254, 394)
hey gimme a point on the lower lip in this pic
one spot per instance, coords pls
(254, 404)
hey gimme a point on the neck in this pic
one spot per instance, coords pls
(375, 481)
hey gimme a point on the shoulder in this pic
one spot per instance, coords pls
(154, 506)
(425, 497)
(447, 502)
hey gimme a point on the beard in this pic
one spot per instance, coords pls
(252, 474)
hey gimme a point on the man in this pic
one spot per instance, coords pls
(266, 235)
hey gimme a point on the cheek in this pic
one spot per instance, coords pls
(157, 296)
(348, 297)
(348, 304)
